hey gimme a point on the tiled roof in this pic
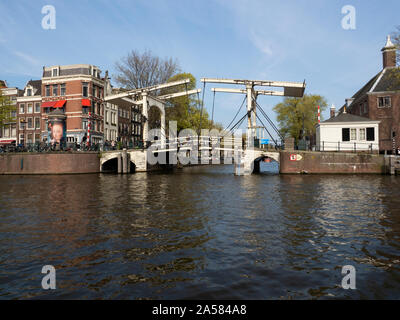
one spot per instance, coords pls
(347, 117)
(37, 84)
(390, 81)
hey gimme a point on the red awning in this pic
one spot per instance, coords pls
(60, 104)
(48, 104)
(54, 104)
(86, 103)
(6, 141)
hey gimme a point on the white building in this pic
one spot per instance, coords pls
(348, 132)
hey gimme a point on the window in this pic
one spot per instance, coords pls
(37, 123)
(384, 102)
(370, 134)
(85, 110)
(30, 123)
(84, 124)
(62, 90)
(353, 134)
(85, 89)
(30, 136)
(94, 91)
(47, 91)
(30, 108)
(106, 117)
(55, 72)
(21, 138)
(362, 134)
(22, 123)
(13, 130)
(345, 134)
(55, 89)
(13, 114)
(37, 137)
(37, 107)
(29, 92)
(6, 131)
(22, 108)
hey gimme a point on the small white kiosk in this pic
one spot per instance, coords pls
(348, 132)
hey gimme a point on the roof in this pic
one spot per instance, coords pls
(386, 80)
(36, 84)
(347, 117)
(3, 84)
(390, 81)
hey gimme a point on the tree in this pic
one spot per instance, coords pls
(396, 42)
(7, 110)
(294, 114)
(139, 70)
(186, 110)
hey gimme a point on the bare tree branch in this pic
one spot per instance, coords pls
(138, 70)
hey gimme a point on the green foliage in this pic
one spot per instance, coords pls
(186, 110)
(293, 112)
(6, 109)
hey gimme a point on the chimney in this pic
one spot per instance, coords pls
(349, 101)
(389, 54)
(333, 111)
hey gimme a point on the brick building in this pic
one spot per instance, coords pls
(8, 132)
(379, 100)
(129, 121)
(110, 114)
(29, 113)
(77, 91)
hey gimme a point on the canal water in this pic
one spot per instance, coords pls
(200, 233)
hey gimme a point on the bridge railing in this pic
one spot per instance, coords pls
(347, 146)
(68, 147)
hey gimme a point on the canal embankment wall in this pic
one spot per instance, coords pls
(50, 163)
(332, 163)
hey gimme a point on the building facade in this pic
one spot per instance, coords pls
(8, 131)
(348, 133)
(77, 91)
(29, 114)
(379, 100)
(110, 114)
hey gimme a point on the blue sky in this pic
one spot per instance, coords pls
(258, 39)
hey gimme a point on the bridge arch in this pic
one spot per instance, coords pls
(153, 102)
(250, 161)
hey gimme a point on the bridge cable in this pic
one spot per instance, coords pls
(202, 106)
(236, 113)
(212, 114)
(276, 143)
(270, 122)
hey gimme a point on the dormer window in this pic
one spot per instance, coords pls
(55, 72)
(29, 92)
(384, 102)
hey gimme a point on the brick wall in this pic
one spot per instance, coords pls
(332, 162)
(49, 163)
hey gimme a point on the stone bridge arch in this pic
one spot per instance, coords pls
(250, 161)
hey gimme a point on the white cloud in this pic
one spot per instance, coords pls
(27, 58)
(261, 43)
